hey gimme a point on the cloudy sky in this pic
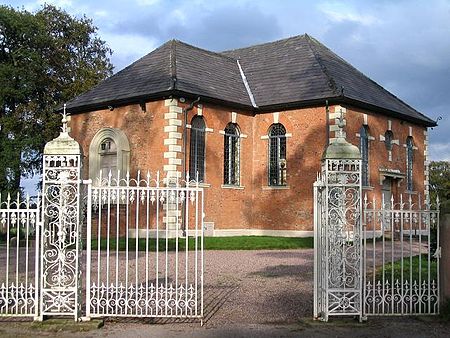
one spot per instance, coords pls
(403, 45)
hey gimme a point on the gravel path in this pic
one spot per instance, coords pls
(262, 286)
(264, 293)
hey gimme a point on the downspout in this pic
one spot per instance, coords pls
(327, 124)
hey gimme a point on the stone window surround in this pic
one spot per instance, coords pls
(393, 141)
(123, 152)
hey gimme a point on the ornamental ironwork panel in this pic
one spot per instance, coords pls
(19, 229)
(401, 257)
(338, 245)
(60, 241)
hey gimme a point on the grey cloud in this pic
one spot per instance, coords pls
(405, 49)
(404, 55)
(219, 28)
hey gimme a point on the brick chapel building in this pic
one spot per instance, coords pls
(253, 123)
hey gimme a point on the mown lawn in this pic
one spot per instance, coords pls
(211, 243)
(409, 269)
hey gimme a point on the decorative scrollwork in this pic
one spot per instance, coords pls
(60, 247)
(142, 301)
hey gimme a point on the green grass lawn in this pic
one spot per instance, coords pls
(396, 268)
(212, 243)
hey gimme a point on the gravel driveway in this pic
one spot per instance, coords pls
(263, 293)
(261, 286)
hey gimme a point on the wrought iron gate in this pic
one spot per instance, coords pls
(19, 261)
(401, 257)
(370, 259)
(153, 274)
(144, 244)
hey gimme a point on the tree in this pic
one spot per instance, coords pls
(440, 181)
(46, 58)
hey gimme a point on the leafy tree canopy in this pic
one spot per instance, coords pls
(440, 181)
(46, 58)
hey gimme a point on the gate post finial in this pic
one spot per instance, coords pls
(64, 120)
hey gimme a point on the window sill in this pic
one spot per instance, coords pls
(229, 186)
(200, 185)
(367, 187)
(276, 187)
(409, 192)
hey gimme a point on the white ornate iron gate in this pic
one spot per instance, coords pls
(401, 258)
(153, 273)
(144, 244)
(369, 259)
(19, 243)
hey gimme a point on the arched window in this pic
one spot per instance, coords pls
(231, 155)
(409, 163)
(388, 137)
(197, 149)
(277, 155)
(364, 149)
(109, 151)
(108, 158)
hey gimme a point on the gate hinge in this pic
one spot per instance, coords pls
(437, 253)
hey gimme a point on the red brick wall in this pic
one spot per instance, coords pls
(255, 206)
(144, 130)
(378, 155)
(228, 208)
(291, 208)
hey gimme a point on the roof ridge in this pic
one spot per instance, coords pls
(331, 81)
(173, 64)
(204, 50)
(266, 43)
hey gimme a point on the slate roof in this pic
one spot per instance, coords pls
(292, 72)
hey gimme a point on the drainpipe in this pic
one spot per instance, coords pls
(327, 124)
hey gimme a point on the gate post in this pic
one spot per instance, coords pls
(60, 236)
(444, 272)
(338, 231)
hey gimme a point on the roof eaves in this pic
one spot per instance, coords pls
(425, 121)
(338, 99)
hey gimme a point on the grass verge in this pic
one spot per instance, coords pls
(411, 267)
(210, 243)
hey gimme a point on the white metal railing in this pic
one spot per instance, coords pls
(19, 278)
(153, 273)
(401, 258)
